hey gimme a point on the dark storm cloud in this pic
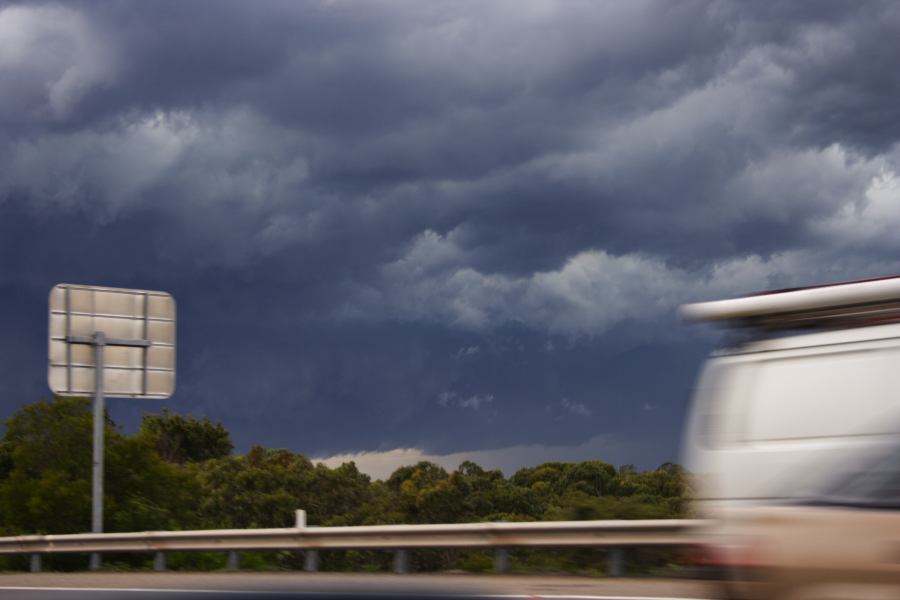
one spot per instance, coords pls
(348, 197)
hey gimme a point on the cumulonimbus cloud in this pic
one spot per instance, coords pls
(365, 190)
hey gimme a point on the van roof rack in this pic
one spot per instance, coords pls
(837, 305)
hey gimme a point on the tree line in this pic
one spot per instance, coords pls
(178, 472)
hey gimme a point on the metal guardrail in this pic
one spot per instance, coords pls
(615, 535)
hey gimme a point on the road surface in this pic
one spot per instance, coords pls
(334, 586)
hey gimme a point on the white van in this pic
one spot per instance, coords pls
(816, 383)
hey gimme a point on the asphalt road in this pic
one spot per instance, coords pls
(334, 586)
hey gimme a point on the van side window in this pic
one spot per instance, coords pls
(824, 395)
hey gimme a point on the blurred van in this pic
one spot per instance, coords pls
(809, 389)
(814, 378)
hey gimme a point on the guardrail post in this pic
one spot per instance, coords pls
(34, 564)
(310, 561)
(401, 561)
(501, 560)
(615, 562)
(159, 561)
(233, 562)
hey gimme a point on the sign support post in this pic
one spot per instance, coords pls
(99, 341)
(99, 430)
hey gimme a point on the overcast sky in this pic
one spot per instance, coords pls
(440, 228)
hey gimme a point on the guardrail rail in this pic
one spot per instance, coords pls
(501, 536)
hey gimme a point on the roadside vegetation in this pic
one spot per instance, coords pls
(178, 472)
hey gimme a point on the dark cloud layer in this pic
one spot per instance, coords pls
(450, 226)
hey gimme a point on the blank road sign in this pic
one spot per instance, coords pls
(139, 354)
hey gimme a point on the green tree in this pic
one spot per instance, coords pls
(264, 487)
(48, 448)
(181, 439)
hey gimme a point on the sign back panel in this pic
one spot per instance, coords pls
(139, 352)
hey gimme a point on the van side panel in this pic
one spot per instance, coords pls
(769, 426)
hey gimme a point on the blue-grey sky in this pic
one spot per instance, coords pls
(440, 228)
